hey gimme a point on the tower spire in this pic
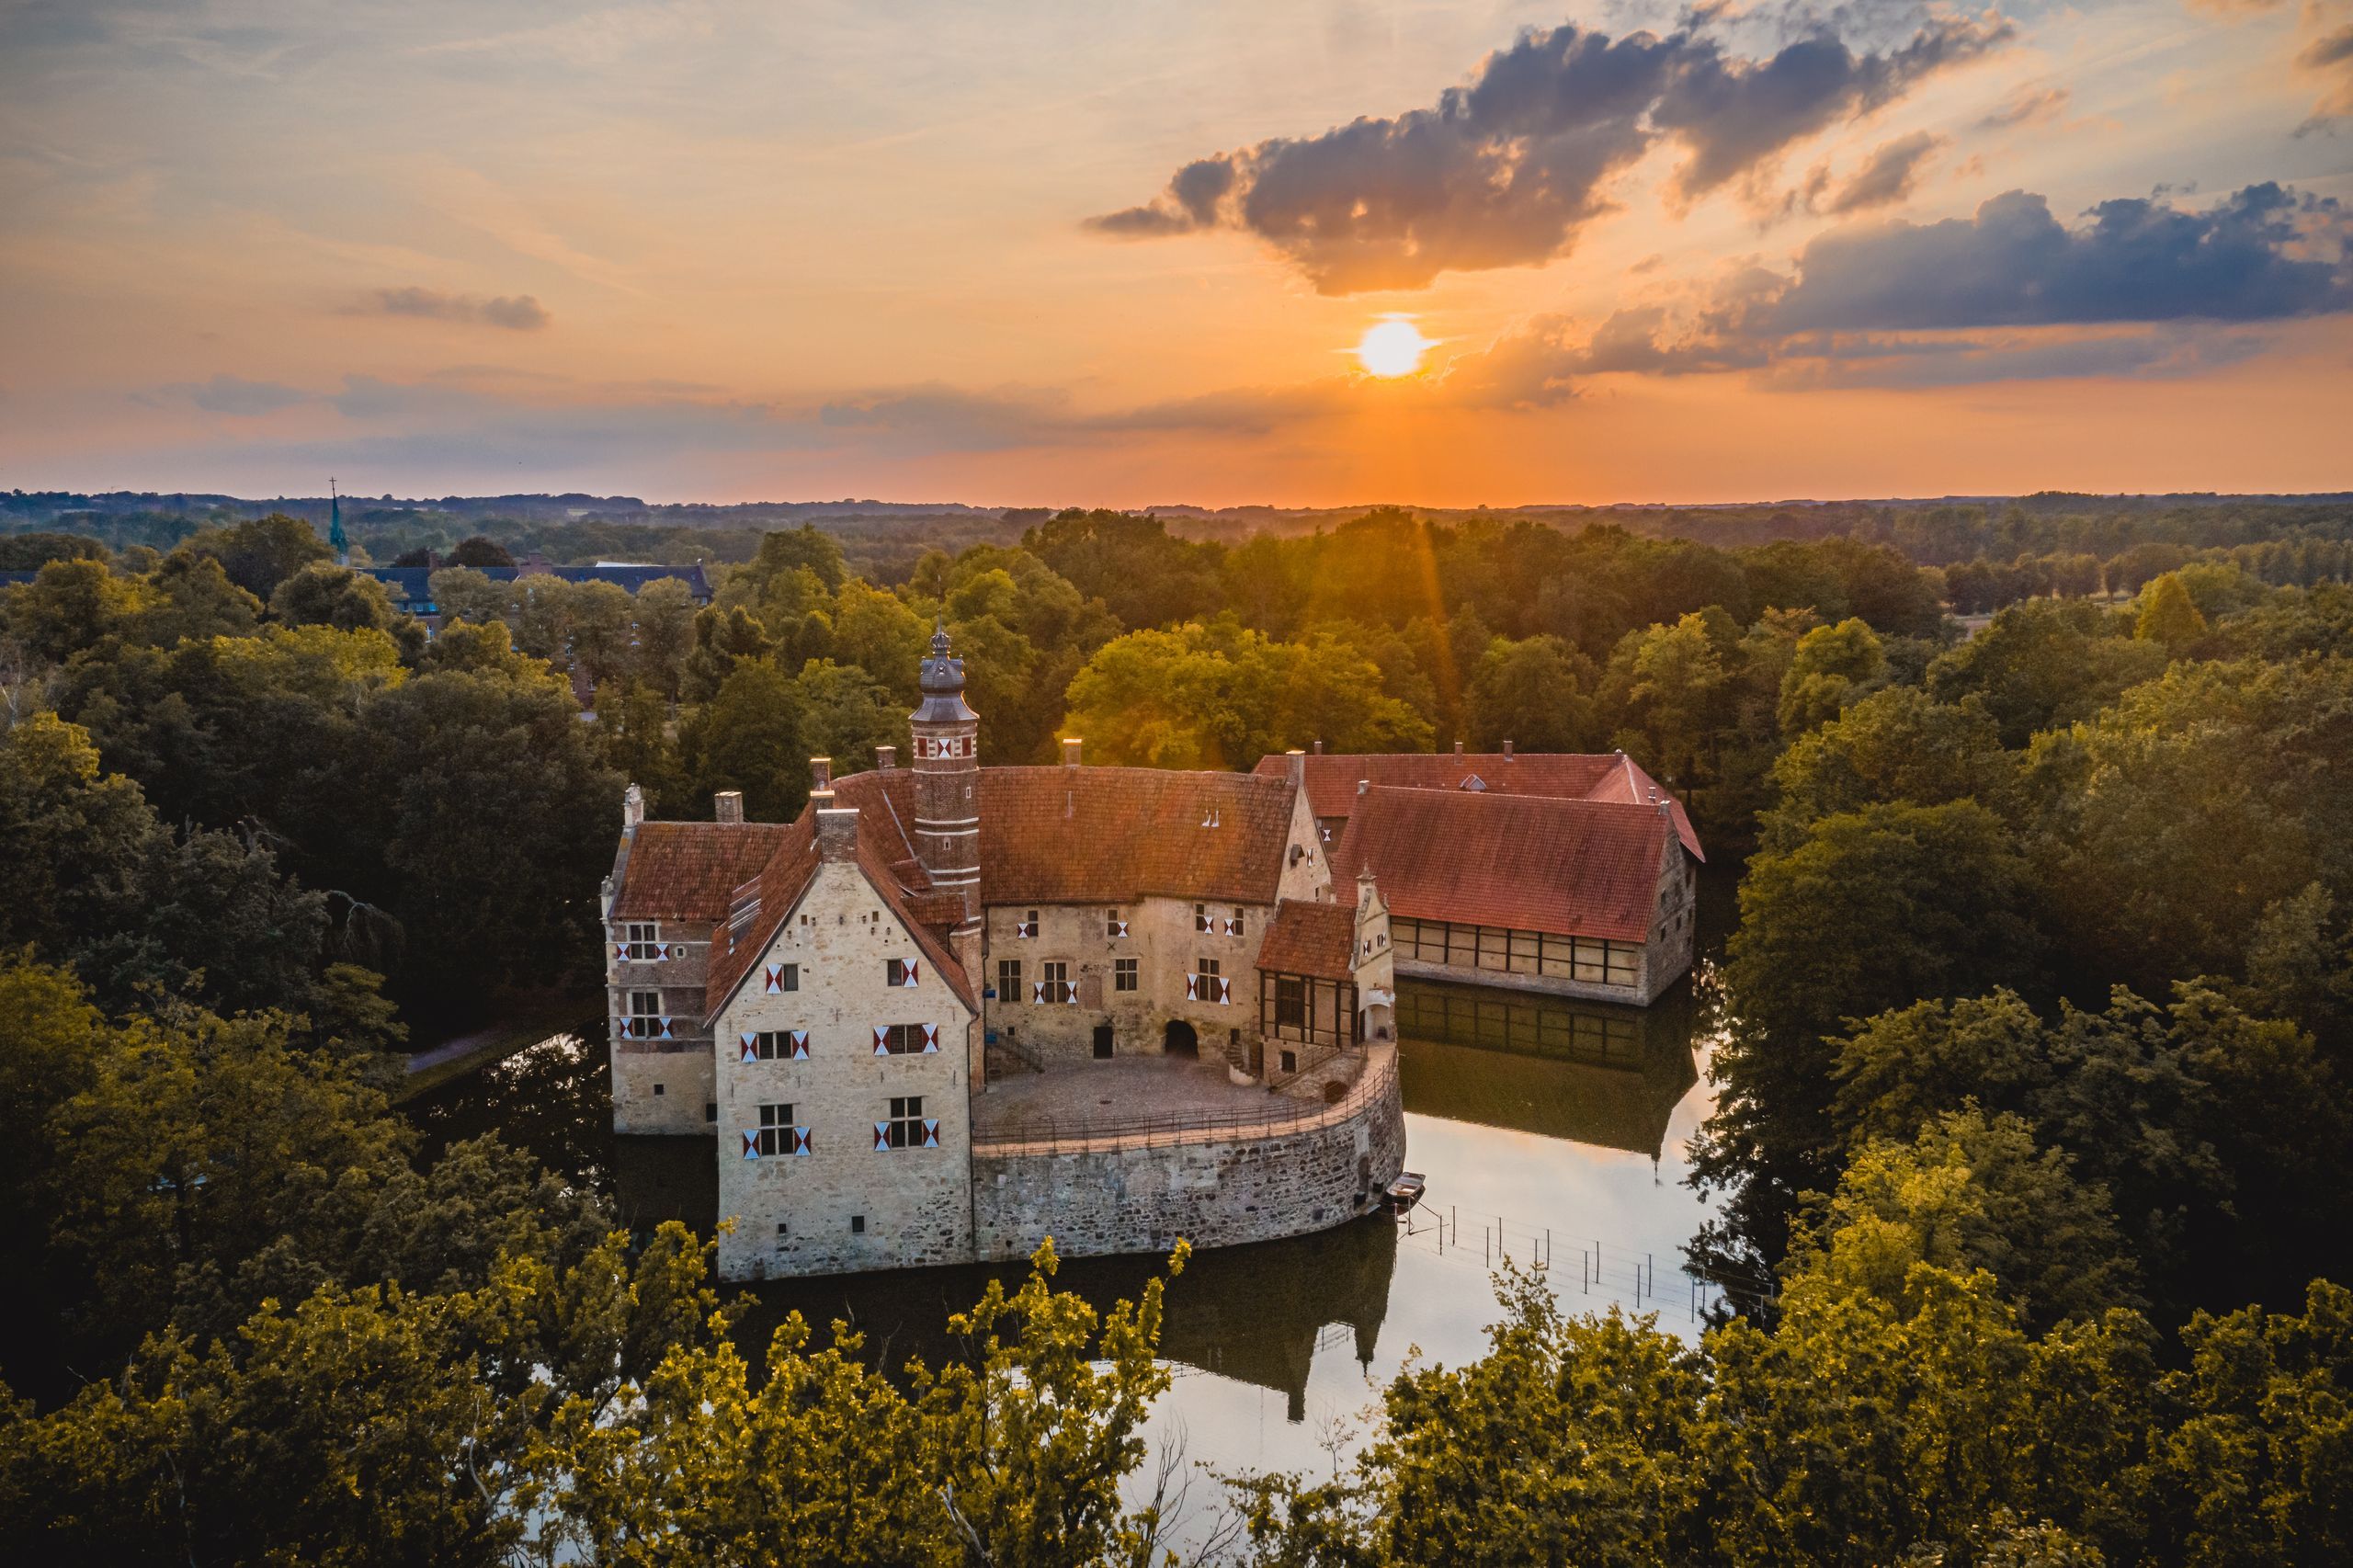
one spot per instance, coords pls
(335, 536)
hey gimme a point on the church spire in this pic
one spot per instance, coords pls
(335, 536)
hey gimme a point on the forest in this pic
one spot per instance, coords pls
(2036, 1093)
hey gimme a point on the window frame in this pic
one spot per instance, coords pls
(1126, 975)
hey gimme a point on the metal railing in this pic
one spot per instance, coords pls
(1033, 1133)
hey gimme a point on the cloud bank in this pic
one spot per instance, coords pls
(1506, 170)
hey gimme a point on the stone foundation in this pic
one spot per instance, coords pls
(1215, 1188)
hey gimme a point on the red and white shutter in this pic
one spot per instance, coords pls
(930, 1039)
(881, 1039)
(1036, 991)
(931, 1134)
(751, 1048)
(775, 978)
(661, 949)
(881, 1137)
(1119, 928)
(751, 1146)
(620, 949)
(1192, 988)
(798, 1042)
(1224, 989)
(800, 1140)
(907, 974)
(1070, 994)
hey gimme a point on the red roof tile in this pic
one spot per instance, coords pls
(1053, 834)
(1317, 939)
(685, 870)
(1332, 779)
(1571, 867)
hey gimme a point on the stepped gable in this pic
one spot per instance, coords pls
(792, 866)
(688, 870)
(1117, 834)
(1571, 867)
(1316, 940)
(1332, 779)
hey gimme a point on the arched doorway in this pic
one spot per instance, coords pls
(1181, 1040)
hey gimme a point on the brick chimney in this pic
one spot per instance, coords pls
(1295, 765)
(885, 759)
(821, 773)
(836, 828)
(1071, 748)
(1362, 784)
(1458, 749)
(728, 805)
(1507, 751)
(1319, 748)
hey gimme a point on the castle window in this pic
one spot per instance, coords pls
(777, 1134)
(1123, 974)
(644, 1020)
(1201, 918)
(1027, 928)
(905, 1040)
(1113, 926)
(1290, 1003)
(777, 1045)
(1008, 980)
(779, 977)
(1290, 1062)
(858, 1224)
(1204, 984)
(907, 1127)
(899, 971)
(1054, 984)
(641, 941)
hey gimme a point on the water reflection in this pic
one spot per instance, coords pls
(1584, 1071)
(1538, 1116)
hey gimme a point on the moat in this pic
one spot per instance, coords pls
(1544, 1126)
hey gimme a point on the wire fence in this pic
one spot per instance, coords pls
(1584, 1267)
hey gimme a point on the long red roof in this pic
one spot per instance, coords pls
(1332, 779)
(1572, 868)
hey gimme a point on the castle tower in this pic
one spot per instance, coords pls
(948, 787)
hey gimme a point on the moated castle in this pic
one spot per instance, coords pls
(950, 1010)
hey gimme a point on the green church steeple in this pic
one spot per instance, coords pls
(335, 536)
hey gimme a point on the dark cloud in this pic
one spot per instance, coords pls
(1504, 171)
(518, 312)
(1887, 176)
(2330, 56)
(236, 395)
(2262, 254)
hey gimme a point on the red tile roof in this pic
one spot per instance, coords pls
(1053, 834)
(685, 870)
(1577, 776)
(1572, 867)
(1317, 939)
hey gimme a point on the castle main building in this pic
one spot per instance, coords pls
(951, 1010)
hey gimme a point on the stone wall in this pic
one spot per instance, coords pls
(845, 1205)
(1217, 1190)
(663, 1085)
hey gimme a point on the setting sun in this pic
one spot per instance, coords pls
(1392, 345)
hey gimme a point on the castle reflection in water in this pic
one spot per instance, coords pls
(1582, 1073)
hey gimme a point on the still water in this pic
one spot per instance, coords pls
(1546, 1128)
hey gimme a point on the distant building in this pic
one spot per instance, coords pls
(410, 587)
(1567, 873)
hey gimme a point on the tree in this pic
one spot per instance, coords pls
(1144, 574)
(1534, 693)
(845, 714)
(1867, 912)
(2167, 615)
(1896, 744)
(1832, 666)
(70, 605)
(464, 594)
(477, 551)
(322, 594)
(748, 737)
(600, 630)
(260, 554)
(2044, 663)
(666, 634)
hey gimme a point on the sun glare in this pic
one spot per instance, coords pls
(1392, 345)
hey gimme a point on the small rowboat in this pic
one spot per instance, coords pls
(1406, 1191)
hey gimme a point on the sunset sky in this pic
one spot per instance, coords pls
(1108, 252)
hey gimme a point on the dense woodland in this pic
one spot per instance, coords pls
(2036, 1096)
